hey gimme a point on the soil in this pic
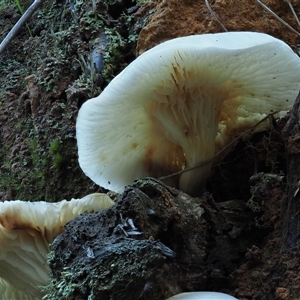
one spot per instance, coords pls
(74, 51)
(44, 79)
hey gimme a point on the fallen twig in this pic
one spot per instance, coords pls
(277, 17)
(293, 11)
(25, 17)
(214, 15)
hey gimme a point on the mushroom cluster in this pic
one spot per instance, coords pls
(26, 230)
(179, 103)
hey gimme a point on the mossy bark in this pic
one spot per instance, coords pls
(175, 243)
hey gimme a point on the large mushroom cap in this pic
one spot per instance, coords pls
(179, 102)
(26, 230)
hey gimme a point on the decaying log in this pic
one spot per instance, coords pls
(153, 243)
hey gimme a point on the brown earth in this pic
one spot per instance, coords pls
(45, 78)
(174, 18)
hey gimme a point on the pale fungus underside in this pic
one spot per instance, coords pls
(179, 103)
(26, 230)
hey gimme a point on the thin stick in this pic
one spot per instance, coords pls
(217, 154)
(293, 11)
(214, 15)
(25, 17)
(278, 18)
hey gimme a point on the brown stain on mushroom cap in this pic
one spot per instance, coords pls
(160, 165)
(188, 101)
(134, 145)
(13, 221)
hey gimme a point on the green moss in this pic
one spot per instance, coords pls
(39, 154)
(120, 267)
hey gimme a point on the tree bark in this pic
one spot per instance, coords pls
(153, 243)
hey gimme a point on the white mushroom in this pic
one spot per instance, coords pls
(180, 102)
(202, 296)
(26, 230)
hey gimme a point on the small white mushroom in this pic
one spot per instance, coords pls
(202, 296)
(179, 103)
(26, 230)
